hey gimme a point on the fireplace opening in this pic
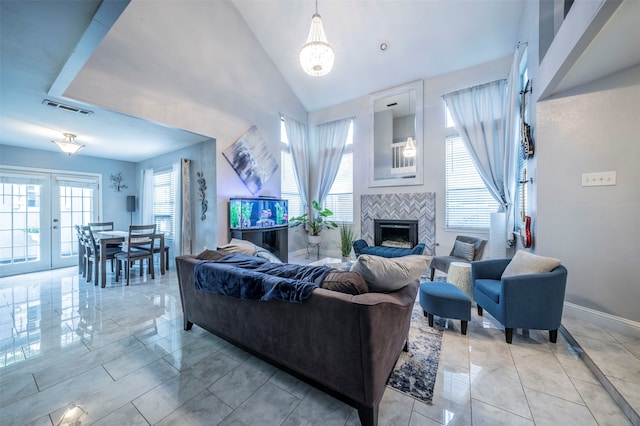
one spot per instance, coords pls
(395, 233)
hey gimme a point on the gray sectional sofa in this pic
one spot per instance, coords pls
(344, 344)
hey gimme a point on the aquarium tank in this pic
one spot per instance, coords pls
(258, 213)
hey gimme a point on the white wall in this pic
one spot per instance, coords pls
(594, 230)
(237, 86)
(204, 233)
(434, 137)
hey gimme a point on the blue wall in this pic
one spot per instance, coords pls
(114, 204)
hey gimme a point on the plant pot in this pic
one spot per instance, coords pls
(315, 239)
(345, 259)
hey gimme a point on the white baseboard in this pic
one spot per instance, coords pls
(602, 319)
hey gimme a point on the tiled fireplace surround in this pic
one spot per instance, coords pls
(413, 206)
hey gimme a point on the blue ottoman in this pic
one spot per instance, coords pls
(445, 300)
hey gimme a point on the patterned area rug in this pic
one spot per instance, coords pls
(415, 371)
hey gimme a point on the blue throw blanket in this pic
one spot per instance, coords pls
(248, 277)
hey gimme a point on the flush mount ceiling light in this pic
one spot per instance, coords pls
(409, 148)
(316, 55)
(69, 145)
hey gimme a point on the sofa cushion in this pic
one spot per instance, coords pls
(528, 263)
(345, 282)
(490, 288)
(464, 250)
(389, 274)
(212, 254)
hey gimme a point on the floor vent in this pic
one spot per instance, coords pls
(69, 108)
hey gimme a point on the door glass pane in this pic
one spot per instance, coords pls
(20, 223)
(76, 205)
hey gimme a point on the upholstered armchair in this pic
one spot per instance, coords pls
(465, 249)
(529, 301)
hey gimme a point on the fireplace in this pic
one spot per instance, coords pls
(395, 233)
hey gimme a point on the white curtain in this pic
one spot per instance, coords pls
(297, 136)
(332, 138)
(182, 205)
(479, 114)
(146, 198)
(513, 135)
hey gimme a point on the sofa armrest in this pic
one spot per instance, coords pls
(358, 245)
(488, 269)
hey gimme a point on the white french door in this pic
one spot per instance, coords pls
(38, 211)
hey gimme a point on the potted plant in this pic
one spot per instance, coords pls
(316, 223)
(346, 241)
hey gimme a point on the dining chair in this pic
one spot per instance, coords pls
(81, 258)
(139, 246)
(104, 226)
(101, 226)
(156, 250)
(92, 254)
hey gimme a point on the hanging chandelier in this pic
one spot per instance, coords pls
(409, 148)
(316, 55)
(69, 145)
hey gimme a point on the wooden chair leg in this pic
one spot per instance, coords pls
(553, 336)
(479, 310)
(508, 334)
(463, 327)
(433, 273)
(430, 318)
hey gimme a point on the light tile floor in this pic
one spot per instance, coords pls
(118, 355)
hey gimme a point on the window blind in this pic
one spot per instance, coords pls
(164, 202)
(468, 203)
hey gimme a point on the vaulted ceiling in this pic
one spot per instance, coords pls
(40, 54)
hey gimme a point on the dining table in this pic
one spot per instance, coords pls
(115, 237)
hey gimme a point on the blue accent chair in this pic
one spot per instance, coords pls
(361, 247)
(531, 301)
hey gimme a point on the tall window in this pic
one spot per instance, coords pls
(468, 202)
(340, 197)
(164, 199)
(288, 185)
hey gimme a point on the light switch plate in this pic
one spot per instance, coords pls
(599, 179)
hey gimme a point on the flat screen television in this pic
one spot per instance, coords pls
(258, 213)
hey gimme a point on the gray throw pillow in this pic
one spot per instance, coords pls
(384, 274)
(528, 263)
(464, 250)
(240, 246)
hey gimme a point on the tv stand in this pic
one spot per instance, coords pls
(275, 239)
